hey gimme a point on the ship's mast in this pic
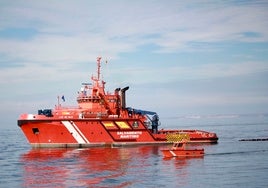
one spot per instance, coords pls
(97, 79)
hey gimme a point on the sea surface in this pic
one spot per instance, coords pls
(230, 163)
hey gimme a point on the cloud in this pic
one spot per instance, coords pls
(216, 24)
(122, 26)
(74, 32)
(216, 70)
(177, 73)
(59, 49)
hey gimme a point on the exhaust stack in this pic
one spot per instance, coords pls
(123, 96)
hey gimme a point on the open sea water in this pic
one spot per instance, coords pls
(230, 163)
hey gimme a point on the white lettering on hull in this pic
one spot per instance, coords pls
(129, 134)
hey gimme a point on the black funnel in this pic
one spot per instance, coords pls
(123, 96)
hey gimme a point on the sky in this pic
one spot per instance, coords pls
(178, 57)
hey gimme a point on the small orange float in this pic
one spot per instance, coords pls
(179, 148)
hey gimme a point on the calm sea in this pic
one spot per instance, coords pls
(230, 163)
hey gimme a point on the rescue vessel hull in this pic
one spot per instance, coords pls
(101, 132)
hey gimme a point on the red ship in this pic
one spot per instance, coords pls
(100, 119)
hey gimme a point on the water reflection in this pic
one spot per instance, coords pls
(79, 167)
(103, 167)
